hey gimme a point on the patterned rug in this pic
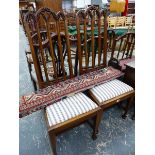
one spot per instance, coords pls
(51, 94)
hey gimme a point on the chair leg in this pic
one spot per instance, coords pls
(34, 85)
(127, 107)
(53, 142)
(96, 124)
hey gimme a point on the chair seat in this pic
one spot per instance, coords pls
(68, 108)
(110, 90)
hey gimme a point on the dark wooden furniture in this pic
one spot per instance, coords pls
(54, 130)
(89, 57)
(50, 69)
(41, 39)
(129, 78)
(122, 50)
(114, 91)
(75, 108)
(24, 7)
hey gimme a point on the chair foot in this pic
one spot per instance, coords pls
(130, 102)
(96, 124)
(53, 143)
(124, 116)
(94, 136)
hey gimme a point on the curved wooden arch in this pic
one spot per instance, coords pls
(48, 11)
(92, 9)
(81, 13)
(61, 15)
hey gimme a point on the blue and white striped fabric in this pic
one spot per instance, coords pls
(110, 90)
(68, 108)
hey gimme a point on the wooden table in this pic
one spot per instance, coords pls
(129, 78)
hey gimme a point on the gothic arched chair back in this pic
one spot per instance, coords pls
(92, 48)
(42, 41)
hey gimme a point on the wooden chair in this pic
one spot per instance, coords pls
(88, 56)
(120, 22)
(128, 21)
(50, 69)
(122, 51)
(111, 92)
(28, 7)
(75, 108)
(112, 22)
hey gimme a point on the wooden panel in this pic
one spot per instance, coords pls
(55, 5)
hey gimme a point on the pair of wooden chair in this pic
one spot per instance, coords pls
(75, 108)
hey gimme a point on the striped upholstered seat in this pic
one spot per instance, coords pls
(110, 90)
(69, 108)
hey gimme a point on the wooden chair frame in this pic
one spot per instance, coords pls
(126, 47)
(53, 131)
(129, 96)
(80, 14)
(71, 123)
(47, 43)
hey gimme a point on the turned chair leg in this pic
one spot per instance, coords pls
(127, 107)
(53, 142)
(96, 124)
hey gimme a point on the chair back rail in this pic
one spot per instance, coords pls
(42, 41)
(87, 43)
(123, 46)
(111, 36)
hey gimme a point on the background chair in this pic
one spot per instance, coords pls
(122, 51)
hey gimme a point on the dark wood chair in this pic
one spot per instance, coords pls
(122, 51)
(28, 7)
(74, 109)
(50, 69)
(113, 91)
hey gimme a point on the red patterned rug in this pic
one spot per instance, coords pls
(51, 94)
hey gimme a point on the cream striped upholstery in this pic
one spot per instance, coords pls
(68, 108)
(110, 90)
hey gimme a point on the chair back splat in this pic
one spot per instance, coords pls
(49, 48)
(92, 46)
